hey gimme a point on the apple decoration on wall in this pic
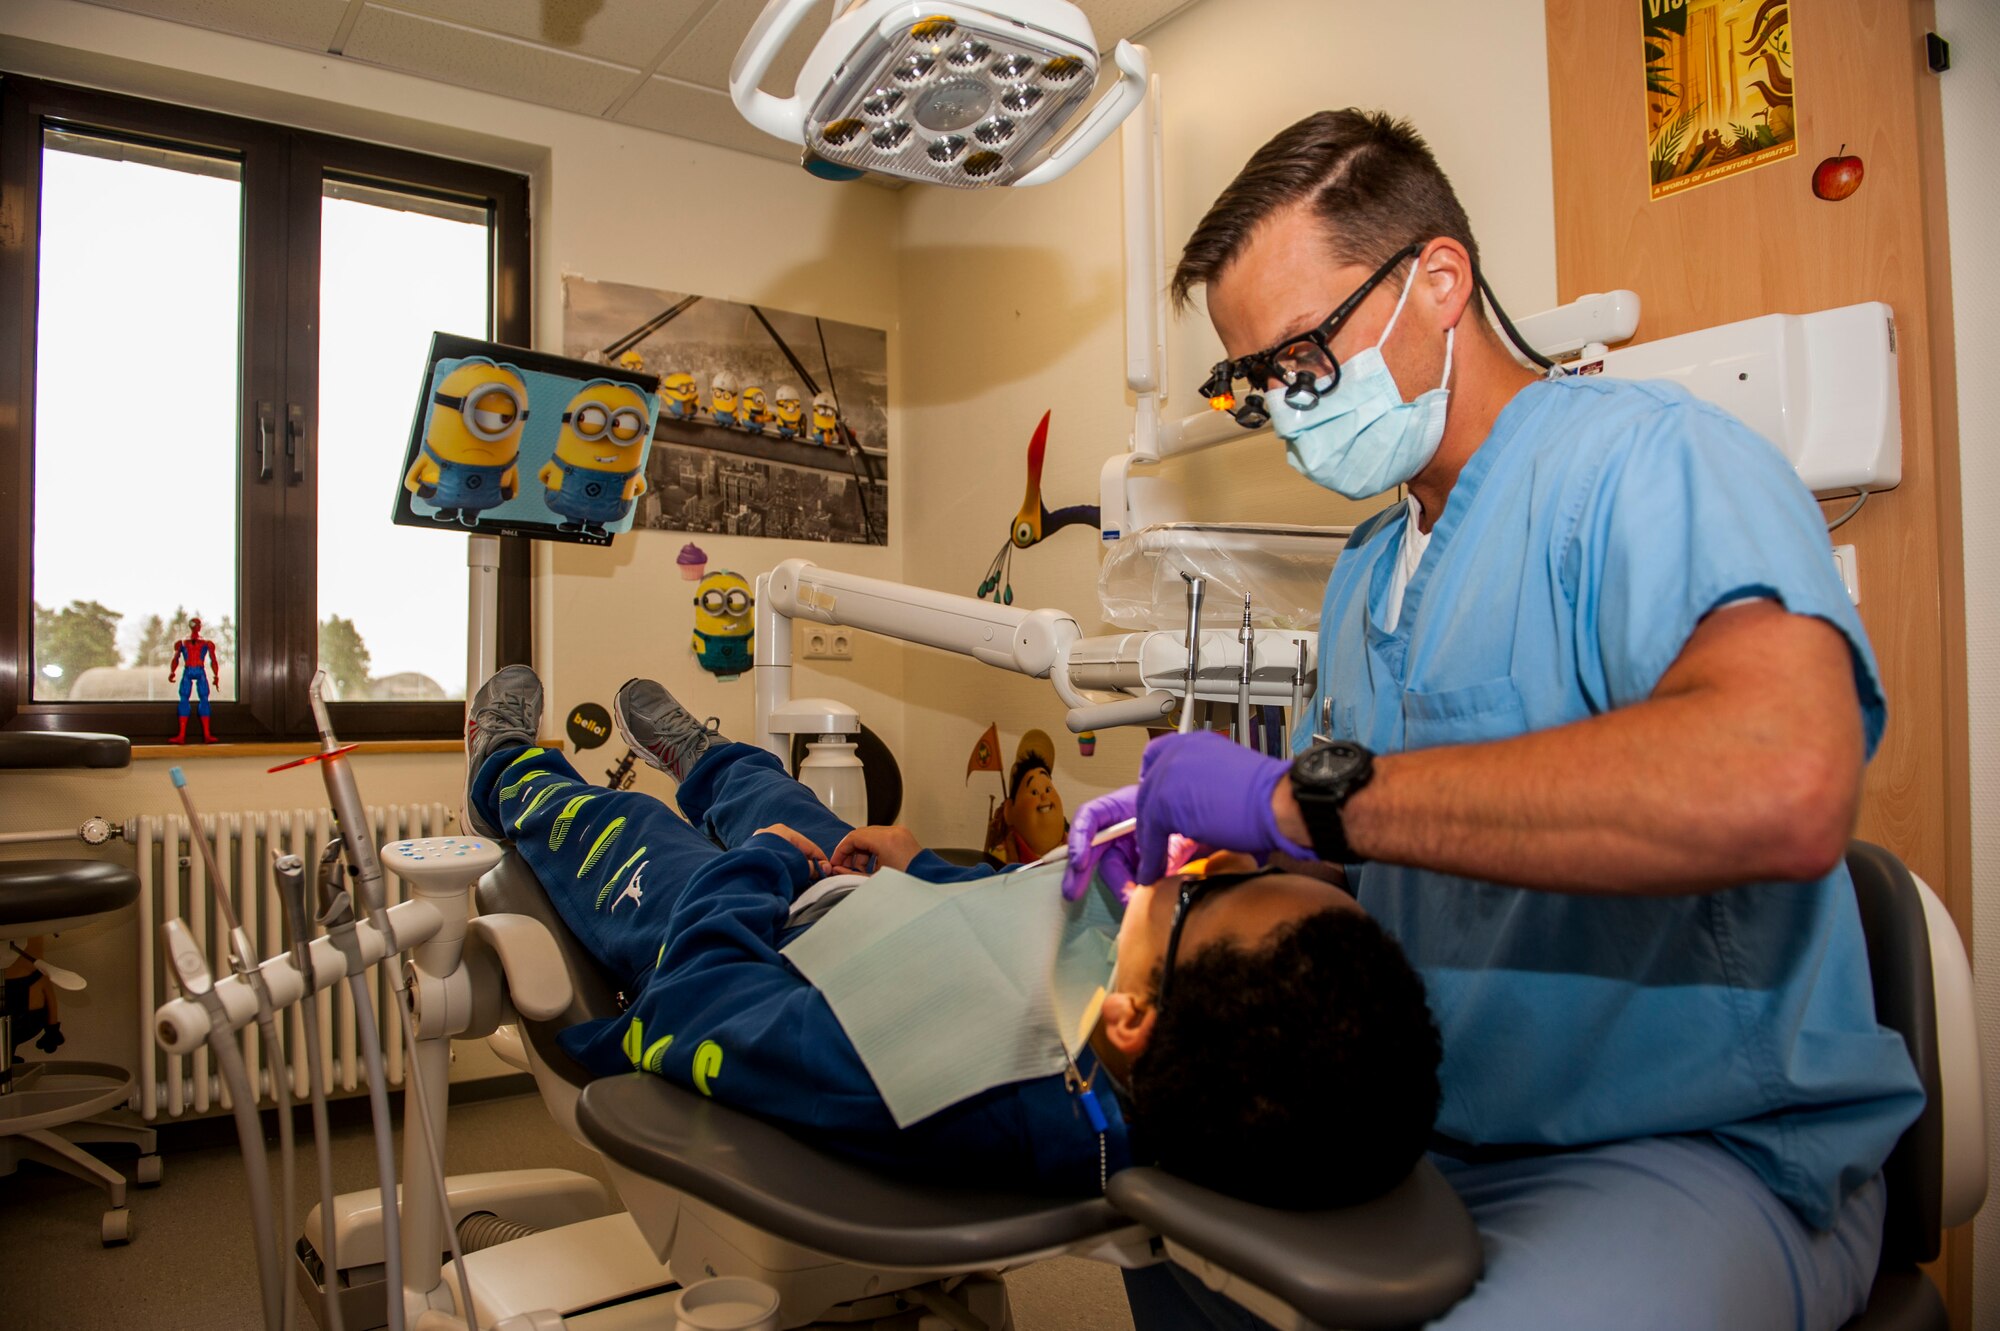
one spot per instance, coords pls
(1837, 177)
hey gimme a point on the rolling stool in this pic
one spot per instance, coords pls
(50, 1110)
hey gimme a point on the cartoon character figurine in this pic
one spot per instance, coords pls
(195, 658)
(594, 476)
(756, 416)
(722, 398)
(632, 361)
(677, 395)
(826, 421)
(722, 624)
(1031, 823)
(472, 441)
(791, 420)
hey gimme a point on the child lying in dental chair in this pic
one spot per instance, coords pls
(1296, 1065)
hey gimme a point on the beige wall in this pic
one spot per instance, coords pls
(1971, 103)
(1012, 304)
(601, 615)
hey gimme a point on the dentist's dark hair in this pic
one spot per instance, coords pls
(1369, 177)
(1301, 1072)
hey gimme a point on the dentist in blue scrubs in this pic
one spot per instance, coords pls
(1597, 710)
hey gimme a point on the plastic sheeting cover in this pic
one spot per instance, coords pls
(1142, 584)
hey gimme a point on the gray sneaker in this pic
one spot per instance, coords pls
(506, 713)
(661, 731)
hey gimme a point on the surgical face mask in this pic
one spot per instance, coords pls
(1362, 438)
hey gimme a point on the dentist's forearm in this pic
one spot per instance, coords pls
(1743, 774)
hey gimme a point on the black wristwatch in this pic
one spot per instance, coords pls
(1324, 778)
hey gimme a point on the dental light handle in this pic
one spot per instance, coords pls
(290, 873)
(780, 117)
(191, 974)
(1098, 124)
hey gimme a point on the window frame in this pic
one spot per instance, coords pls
(283, 175)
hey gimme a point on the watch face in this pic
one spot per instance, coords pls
(1329, 762)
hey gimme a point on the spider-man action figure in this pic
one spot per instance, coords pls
(191, 654)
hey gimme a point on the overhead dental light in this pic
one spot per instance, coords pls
(950, 93)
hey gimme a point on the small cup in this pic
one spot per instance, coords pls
(727, 1303)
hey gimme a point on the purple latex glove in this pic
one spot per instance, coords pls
(1115, 859)
(1211, 790)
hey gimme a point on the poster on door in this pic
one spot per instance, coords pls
(1719, 89)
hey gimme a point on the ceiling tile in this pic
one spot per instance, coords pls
(471, 59)
(697, 113)
(626, 31)
(1113, 19)
(710, 49)
(305, 23)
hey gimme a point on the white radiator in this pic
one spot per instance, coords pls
(173, 882)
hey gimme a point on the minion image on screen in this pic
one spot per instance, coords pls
(512, 442)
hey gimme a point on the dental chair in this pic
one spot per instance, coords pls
(1937, 1174)
(713, 1191)
(718, 1192)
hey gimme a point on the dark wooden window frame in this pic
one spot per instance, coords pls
(284, 171)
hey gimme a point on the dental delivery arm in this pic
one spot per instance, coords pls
(1743, 766)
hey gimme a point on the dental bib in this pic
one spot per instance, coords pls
(950, 989)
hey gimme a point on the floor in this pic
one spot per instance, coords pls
(190, 1264)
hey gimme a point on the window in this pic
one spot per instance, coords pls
(220, 326)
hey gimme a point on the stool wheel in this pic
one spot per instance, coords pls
(148, 1171)
(117, 1227)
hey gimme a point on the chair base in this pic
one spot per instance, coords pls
(57, 1108)
(1902, 1300)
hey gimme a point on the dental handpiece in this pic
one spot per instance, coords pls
(290, 873)
(1197, 587)
(1247, 638)
(243, 958)
(364, 866)
(196, 982)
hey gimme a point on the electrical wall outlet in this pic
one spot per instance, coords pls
(827, 644)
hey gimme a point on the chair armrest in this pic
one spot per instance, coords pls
(1397, 1261)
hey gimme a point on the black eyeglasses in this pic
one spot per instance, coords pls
(1194, 890)
(1297, 364)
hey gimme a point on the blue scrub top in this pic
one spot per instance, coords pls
(1583, 542)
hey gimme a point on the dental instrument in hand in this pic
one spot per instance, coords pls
(196, 982)
(289, 871)
(244, 961)
(1246, 637)
(1196, 588)
(365, 868)
(1298, 715)
(1110, 834)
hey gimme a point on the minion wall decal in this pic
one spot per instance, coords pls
(723, 628)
